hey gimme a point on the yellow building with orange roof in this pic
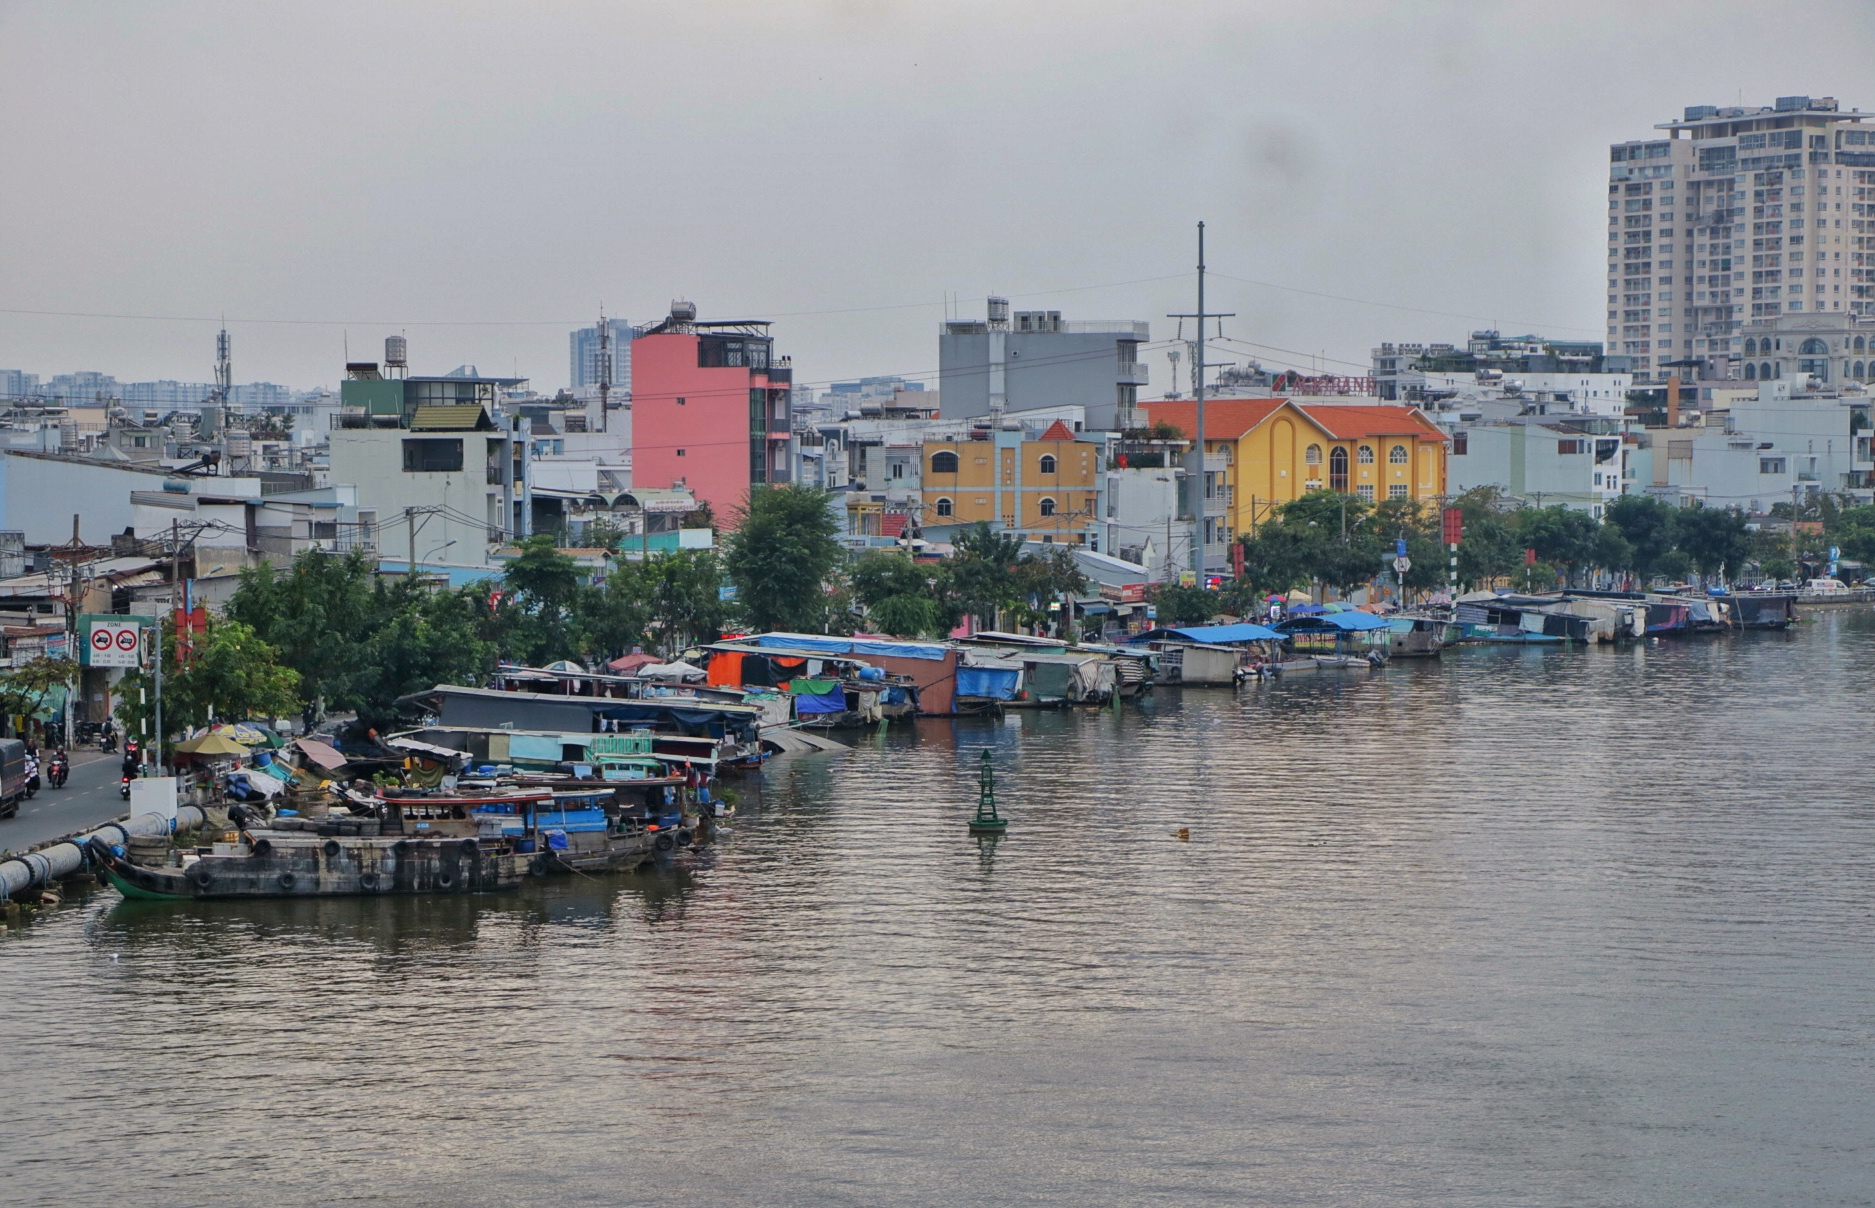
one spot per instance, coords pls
(1275, 450)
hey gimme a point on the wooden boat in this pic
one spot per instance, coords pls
(294, 864)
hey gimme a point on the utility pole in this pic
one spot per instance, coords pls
(410, 528)
(1195, 477)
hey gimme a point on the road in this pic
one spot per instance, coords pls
(88, 799)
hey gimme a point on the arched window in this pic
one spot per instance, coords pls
(1366, 455)
(944, 505)
(1858, 344)
(1338, 469)
(1312, 455)
(1751, 347)
(1813, 347)
(1751, 372)
(1860, 371)
(1048, 463)
(1397, 455)
(944, 462)
(1048, 506)
(1764, 370)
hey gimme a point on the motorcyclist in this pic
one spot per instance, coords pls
(59, 768)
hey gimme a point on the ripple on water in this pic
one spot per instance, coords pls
(1521, 927)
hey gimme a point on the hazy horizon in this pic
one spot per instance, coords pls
(484, 178)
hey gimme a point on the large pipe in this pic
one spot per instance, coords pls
(67, 856)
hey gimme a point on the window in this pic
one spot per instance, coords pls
(1572, 446)
(1048, 463)
(1460, 443)
(1366, 455)
(1751, 348)
(1312, 455)
(680, 400)
(1048, 506)
(944, 462)
(1770, 465)
(1751, 371)
(680, 452)
(1338, 469)
(433, 456)
(1397, 455)
(944, 506)
(1397, 491)
(1813, 348)
(1366, 492)
(898, 469)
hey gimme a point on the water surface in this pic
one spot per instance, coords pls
(1521, 927)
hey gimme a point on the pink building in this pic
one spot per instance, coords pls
(710, 408)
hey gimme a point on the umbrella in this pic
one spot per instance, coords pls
(214, 743)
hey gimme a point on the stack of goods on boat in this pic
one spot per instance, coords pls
(412, 814)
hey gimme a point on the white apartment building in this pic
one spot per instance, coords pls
(1739, 213)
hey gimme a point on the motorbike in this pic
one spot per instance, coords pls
(123, 789)
(32, 778)
(106, 742)
(58, 770)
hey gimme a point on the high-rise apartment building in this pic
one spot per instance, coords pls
(583, 356)
(1739, 213)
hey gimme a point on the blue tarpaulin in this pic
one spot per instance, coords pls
(1349, 621)
(858, 647)
(1224, 635)
(831, 702)
(992, 683)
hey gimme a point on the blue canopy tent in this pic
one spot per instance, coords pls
(1337, 631)
(1350, 622)
(1212, 635)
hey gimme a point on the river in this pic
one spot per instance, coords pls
(1517, 927)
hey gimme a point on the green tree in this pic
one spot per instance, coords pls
(24, 689)
(983, 573)
(319, 613)
(1489, 548)
(1042, 576)
(1179, 605)
(668, 601)
(1714, 538)
(1560, 535)
(782, 555)
(540, 587)
(230, 674)
(1648, 526)
(427, 638)
(897, 593)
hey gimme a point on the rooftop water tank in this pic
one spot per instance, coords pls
(396, 350)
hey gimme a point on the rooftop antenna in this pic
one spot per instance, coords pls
(224, 372)
(605, 370)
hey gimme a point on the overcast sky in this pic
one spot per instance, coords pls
(484, 175)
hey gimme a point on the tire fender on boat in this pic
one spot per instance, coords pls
(288, 881)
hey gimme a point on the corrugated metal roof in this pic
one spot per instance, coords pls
(464, 417)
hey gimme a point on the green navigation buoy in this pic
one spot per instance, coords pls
(987, 821)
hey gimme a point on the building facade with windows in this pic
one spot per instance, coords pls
(583, 366)
(1274, 451)
(1005, 365)
(711, 408)
(1042, 486)
(1737, 214)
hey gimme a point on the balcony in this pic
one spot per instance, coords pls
(1132, 373)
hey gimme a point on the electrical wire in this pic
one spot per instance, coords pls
(1448, 314)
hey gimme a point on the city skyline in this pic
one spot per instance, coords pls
(908, 155)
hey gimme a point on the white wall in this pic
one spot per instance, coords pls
(372, 461)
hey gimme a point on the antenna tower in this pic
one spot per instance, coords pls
(605, 371)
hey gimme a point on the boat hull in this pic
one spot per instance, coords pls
(291, 866)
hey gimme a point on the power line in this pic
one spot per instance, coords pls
(1449, 314)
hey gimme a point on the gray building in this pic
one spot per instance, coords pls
(1036, 360)
(583, 357)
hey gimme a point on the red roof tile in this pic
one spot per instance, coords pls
(1057, 431)
(1349, 422)
(892, 524)
(1224, 418)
